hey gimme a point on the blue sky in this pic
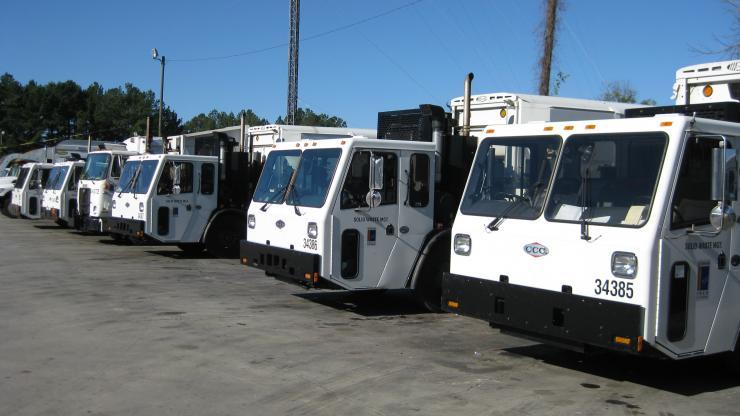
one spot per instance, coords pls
(418, 54)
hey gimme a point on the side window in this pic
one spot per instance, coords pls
(168, 179)
(115, 170)
(390, 179)
(357, 183)
(74, 179)
(691, 202)
(418, 193)
(207, 172)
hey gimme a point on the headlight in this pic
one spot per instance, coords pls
(624, 264)
(463, 244)
(141, 207)
(313, 230)
(251, 221)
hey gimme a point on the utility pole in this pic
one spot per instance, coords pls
(551, 19)
(161, 59)
(295, 8)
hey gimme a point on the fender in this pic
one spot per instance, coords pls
(5, 191)
(433, 238)
(218, 213)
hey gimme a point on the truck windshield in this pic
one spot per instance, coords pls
(96, 166)
(510, 177)
(21, 178)
(607, 179)
(137, 176)
(276, 174)
(56, 177)
(315, 172)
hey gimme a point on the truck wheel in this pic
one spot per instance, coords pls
(429, 283)
(4, 204)
(192, 249)
(224, 235)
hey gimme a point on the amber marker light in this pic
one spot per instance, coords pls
(666, 123)
(590, 126)
(622, 340)
(502, 113)
(490, 131)
(453, 304)
(568, 128)
(548, 128)
(707, 90)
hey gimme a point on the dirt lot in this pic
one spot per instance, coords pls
(89, 327)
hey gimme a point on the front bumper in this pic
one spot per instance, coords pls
(89, 224)
(559, 318)
(50, 214)
(14, 210)
(123, 226)
(297, 265)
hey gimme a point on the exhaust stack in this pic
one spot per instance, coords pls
(466, 104)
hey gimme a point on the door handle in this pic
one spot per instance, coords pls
(403, 229)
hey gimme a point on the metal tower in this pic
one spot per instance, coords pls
(295, 7)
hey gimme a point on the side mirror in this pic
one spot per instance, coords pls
(376, 172)
(373, 198)
(176, 180)
(722, 216)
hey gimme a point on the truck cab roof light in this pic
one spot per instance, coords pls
(568, 127)
(666, 123)
(490, 131)
(590, 126)
(548, 128)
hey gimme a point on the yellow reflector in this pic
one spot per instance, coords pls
(490, 131)
(622, 340)
(315, 277)
(452, 304)
(639, 343)
(244, 261)
(707, 91)
(568, 127)
(548, 128)
(666, 124)
(590, 126)
(307, 276)
(502, 112)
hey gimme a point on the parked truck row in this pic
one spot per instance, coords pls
(584, 224)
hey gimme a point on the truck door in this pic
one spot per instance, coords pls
(415, 216)
(695, 256)
(364, 237)
(173, 201)
(32, 200)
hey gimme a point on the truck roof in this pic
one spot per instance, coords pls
(357, 141)
(173, 156)
(508, 99)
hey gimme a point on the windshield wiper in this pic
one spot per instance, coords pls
(280, 193)
(493, 225)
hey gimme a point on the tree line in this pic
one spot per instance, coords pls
(35, 113)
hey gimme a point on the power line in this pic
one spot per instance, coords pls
(312, 37)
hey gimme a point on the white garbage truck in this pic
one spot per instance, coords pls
(8, 178)
(28, 189)
(194, 201)
(607, 234)
(363, 214)
(59, 199)
(99, 178)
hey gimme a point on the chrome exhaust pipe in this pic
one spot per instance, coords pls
(466, 104)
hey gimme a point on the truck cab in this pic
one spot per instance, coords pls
(28, 189)
(7, 181)
(59, 201)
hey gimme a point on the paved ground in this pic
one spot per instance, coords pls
(88, 327)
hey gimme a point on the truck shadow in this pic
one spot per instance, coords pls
(367, 303)
(685, 377)
(50, 227)
(179, 254)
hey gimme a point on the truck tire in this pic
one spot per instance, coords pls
(191, 249)
(428, 287)
(4, 204)
(224, 234)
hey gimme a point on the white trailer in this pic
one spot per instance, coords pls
(59, 200)
(366, 214)
(28, 187)
(612, 234)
